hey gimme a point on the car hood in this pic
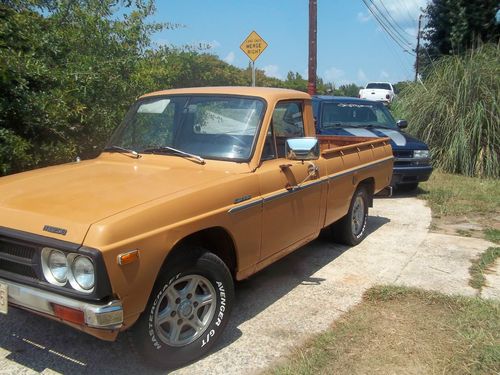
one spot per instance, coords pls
(399, 140)
(63, 201)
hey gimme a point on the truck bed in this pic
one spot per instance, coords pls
(335, 143)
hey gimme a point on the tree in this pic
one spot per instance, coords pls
(348, 90)
(455, 26)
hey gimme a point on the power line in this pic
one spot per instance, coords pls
(410, 18)
(405, 45)
(389, 24)
(395, 22)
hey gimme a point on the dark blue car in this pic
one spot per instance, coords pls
(364, 118)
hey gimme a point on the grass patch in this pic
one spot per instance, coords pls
(456, 195)
(402, 330)
(492, 235)
(480, 265)
(456, 112)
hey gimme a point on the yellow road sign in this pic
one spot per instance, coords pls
(253, 46)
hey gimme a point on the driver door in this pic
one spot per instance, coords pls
(288, 216)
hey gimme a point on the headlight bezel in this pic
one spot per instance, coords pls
(70, 280)
(47, 271)
(421, 154)
(73, 279)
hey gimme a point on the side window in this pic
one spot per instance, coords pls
(287, 122)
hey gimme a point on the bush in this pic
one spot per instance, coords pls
(456, 111)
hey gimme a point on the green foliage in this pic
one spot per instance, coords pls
(351, 90)
(480, 265)
(457, 112)
(69, 69)
(65, 77)
(454, 26)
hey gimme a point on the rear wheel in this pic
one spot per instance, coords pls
(186, 313)
(351, 229)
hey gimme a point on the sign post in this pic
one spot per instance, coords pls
(253, 46)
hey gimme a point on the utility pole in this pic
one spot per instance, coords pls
(417, 51)
(313, 23)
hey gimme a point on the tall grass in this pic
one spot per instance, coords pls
(456, 111)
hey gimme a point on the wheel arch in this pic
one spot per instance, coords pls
(369, 185)
(217, 240)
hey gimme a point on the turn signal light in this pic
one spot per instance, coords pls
(127, 258)
(68, 314)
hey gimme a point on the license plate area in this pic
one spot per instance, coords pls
(4, 296)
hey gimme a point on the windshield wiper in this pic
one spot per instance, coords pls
(167, 149)
(123, 150)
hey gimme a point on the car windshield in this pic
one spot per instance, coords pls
(203, 126)
(383, 86)
(356, 115)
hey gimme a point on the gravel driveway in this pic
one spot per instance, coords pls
(276, 309)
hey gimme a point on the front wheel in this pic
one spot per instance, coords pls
(351, 229)
(186, 313)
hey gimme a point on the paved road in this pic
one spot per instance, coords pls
(276, 309)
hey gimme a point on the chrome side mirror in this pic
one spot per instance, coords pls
(306, 148)
(402, 124)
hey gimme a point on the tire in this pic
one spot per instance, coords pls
(351, 229)
(194, 299)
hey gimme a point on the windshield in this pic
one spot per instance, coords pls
(356, 115)
(212, 127)
(383, 86)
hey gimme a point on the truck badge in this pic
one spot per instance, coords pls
(61, 231)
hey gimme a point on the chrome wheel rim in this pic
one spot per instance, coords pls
(358, 216)
(184, 310)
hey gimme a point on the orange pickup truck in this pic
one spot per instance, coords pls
(197, 188)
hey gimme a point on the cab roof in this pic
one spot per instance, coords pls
(262, 92)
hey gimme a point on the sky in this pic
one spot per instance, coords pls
(352, 46)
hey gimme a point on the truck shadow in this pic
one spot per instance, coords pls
(38, 344)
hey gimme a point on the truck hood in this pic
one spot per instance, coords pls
(63, 201)
(399, 140)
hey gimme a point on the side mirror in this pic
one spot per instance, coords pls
(402, 124)
(302, 149)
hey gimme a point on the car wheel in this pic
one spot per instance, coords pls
(187, 312)
(351, 229)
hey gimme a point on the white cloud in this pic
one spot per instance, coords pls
(404, 11)
(230, 57)
(363, 17)
(334, 74)
(272, 71)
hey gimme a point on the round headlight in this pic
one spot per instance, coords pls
(58, 265)
(83, 272)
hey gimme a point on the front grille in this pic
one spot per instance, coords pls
(17, 250)
(403, 153)
(18, 258)
(17, 268)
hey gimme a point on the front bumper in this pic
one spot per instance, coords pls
(410, 175)
(107, 316)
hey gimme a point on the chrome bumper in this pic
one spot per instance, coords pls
(108, 316)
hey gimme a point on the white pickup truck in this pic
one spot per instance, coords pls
(378, 91)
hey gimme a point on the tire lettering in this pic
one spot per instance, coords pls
(222, 308)
(210, 334)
